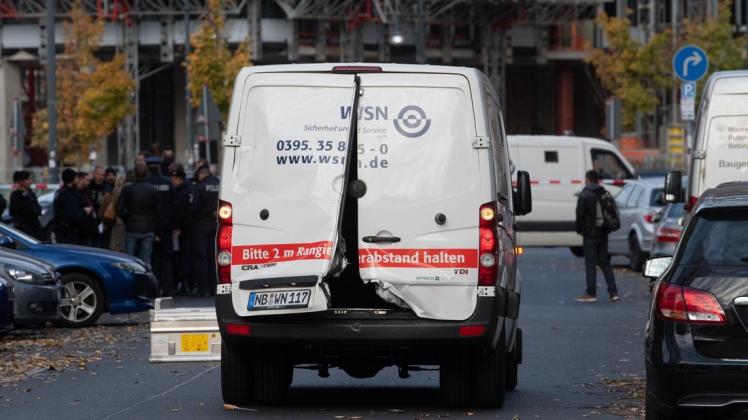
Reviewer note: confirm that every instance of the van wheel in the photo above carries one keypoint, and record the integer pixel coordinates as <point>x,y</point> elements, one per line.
<point>454,377</point>
<point>273,374</point>
<point>489,376</point>
<point>577,251</point>
<point>513,360</point>
<point>636,256</point>
<point>237,382</point>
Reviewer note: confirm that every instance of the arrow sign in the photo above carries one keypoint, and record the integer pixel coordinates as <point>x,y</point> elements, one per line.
<point>690,63</point>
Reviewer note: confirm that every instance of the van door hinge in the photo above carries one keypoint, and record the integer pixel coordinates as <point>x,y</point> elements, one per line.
<point>480,142</point>
<point>234,140</point>
<point>699,154</point>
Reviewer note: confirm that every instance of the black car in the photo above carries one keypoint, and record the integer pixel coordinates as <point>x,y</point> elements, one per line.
<point>36,286</point>
<point>696,344</point>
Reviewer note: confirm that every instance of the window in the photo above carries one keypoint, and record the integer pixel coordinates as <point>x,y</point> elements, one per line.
<point>624,195</point>
<point>551,156</point>
<point>657,198</point>
<point>608,165</point>
<point>633,201</point>
<point>500,152</point>
<point>717,238</point>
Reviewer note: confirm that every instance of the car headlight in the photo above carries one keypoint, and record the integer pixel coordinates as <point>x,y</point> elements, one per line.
<point>132,267</point>
<point>24,275</point>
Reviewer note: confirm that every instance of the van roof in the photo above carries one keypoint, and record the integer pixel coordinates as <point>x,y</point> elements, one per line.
<point>386,67</point>
<point>729,194</point>
<point>728,82</point>
<point>554,139</point>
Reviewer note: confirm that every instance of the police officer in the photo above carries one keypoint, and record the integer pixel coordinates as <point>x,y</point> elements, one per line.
<point>24,207</point>
<point>182,224</point>
<point>163,247</point>
<point>70,212</point>
<point>204,205</point>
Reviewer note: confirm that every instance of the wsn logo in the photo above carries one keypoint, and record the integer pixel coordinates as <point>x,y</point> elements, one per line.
<point>411,122</point>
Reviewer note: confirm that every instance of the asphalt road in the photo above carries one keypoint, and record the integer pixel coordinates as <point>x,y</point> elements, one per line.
<point>578,361</point>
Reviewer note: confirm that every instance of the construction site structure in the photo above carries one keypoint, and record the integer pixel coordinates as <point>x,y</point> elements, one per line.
<point>532,50</point>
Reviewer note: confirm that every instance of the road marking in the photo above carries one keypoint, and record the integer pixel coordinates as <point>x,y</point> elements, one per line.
<point>152,397</point>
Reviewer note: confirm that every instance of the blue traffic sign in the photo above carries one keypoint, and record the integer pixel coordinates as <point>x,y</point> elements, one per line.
<point>688,90</point>
<point>690,63</point>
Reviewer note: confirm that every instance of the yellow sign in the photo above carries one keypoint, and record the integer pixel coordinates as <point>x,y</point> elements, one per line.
<point>192,343</point>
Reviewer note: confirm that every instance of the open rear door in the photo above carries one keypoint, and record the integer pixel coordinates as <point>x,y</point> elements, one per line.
<point>418,220</point>
<point>286,190</point>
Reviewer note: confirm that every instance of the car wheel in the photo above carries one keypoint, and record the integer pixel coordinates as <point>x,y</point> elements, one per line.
<point>577,251</point>
<point>237,381</point>
<point>489,376</point>
<point>655,410</point>
<point>273,374</point>
<point>636,256</point>
<point>513,359</point>
<point>82,301</point>
<point>454,377</point>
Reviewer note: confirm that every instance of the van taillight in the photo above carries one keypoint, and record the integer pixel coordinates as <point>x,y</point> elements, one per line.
<point>684,304</point>
<point>488,246</point>
<point>356,69</point>
<point>223,241</point>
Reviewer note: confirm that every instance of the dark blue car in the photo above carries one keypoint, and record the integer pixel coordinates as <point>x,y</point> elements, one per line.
<point>95,280</point>
<point>6,305</point>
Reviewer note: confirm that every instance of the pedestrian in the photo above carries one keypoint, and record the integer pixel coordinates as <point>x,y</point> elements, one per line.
<point>90,231</point>
<point>163,258</point>
<point>70,212</point>
<point>591,224</point>
<point>204,207</point>
<point>98,187</point>
<point>3,203</point>
<point>137,205</point>
<point>167,159</point>
<point>182,229</point>
<point>110,177</point>
<point>116,240</point>
<point>24,207</point>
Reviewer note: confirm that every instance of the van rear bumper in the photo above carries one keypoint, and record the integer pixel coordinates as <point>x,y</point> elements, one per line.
<point>362,327</point>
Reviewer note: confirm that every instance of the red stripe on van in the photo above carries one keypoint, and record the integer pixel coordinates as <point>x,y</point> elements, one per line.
<point>417,258</point>
<point>555,181</point>
<point>535,182</point>
<point>262,254</point>
<point>576,181</point>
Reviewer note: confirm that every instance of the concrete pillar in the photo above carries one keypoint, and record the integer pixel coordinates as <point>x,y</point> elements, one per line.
<point>181,147</point>
<point>564,98</point>
<point>10,88</point>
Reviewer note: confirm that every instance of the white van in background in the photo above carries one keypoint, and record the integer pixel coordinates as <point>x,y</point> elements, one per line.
<point>720,150</point>
<point>557,165</point>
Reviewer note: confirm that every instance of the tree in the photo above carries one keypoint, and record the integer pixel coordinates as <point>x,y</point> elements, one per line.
<point>93,95</point>
<point>637,72</point>
<point>211,63</point>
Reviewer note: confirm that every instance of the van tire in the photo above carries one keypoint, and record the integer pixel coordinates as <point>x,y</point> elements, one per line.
<point>272,370</point>
<point>454,377</point>
<point>237,382</point>
<point>577,251</point>
<point>489,376</point>
<point>513,360</point>
<point>636,256</point>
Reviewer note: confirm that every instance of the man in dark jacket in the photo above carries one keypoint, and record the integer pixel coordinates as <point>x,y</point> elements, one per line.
<point>204,207</point>
<point>590,226</point>
<point>163,252</point>
<point>137,206</point>
<point>70,211</point>
<point>24,207</point>
<point>182,224</point>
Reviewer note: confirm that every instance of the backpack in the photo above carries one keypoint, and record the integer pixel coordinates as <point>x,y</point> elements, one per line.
<point>607,216</point>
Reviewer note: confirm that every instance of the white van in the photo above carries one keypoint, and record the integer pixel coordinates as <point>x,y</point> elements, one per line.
<point>720,150</point>
<point>360,243</point>
<point>558,165</point>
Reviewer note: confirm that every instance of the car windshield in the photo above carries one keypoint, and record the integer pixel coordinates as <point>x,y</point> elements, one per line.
<point>675,210</point>
<point>6,230</point>
<point>718,238</point>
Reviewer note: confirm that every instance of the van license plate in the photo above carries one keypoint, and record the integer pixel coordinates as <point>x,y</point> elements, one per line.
<point>282,299</point>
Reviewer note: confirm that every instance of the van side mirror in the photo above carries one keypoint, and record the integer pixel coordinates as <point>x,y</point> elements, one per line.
<point>8,242</point>
<point>522,195</point>
<point>656,267</point>
<point>674,187</point>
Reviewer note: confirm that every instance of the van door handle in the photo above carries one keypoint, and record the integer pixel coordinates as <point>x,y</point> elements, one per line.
<point>381,239</point>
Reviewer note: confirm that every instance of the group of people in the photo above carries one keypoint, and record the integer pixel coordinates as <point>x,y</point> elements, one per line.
<point>168,222</point>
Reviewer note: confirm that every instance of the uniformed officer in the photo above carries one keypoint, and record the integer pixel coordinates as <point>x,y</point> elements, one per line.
<point>204,206</point>
<point>182,229</point>
<point>163,247</point>
<point>70,212</point>
<point>24,207</point>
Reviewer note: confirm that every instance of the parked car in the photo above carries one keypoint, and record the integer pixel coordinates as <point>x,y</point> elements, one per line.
<point>696,338</point>
<point>668,230</point>
<point>7,301</point>
<point>96,280</point>
<point>36,287</point>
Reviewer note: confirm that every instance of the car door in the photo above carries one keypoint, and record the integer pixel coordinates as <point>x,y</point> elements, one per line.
<point>285,189</point>
<point>629,216</point>
<point>418,221</point>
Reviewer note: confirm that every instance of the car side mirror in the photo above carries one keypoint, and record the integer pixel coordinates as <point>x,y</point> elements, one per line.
<point>674,187</point>
<point>656,267</point>
<point>8,242</point>
<point>523,194</point>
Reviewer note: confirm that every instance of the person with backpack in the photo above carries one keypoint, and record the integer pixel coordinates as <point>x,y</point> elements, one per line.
<point>597,216</point>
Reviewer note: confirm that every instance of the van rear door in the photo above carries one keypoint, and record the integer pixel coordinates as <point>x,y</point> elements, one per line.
<point>285,189</point>
<point>418,219</point>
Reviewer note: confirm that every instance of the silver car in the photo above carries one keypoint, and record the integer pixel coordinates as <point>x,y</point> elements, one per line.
<point>639,202</point>
<point>668,230</point>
